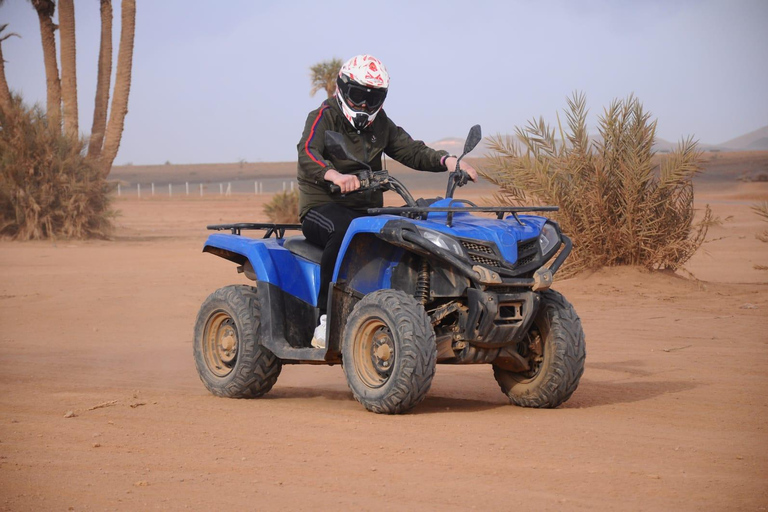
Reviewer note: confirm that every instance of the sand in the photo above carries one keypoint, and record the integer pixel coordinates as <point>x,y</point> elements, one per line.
<point>671,412</point>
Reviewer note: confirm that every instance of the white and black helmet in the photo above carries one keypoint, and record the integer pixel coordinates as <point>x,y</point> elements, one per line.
<point>361,89</point>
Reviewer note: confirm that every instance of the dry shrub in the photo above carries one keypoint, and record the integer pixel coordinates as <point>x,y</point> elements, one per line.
<point>47,189</point>
<point>283,208</point>
<point>762,210</point>
<point>616,203</point>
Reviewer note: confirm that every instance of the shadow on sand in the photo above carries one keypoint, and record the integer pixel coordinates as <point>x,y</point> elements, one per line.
<point>593,393</point>
<point>431,404</point>
<point>634,385</point>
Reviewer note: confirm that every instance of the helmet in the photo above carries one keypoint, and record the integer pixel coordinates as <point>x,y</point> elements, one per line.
<point>361,89</point>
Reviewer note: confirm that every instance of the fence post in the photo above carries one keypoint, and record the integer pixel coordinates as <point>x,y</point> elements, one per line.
<point>118,190</point>
<point>221,189</point>
<point>187,184</point>
<point>256,187</point>
<point>138,189</point>
<point>261,188</point>
<point>170,192</point>
<point>201,190</point>
<point>229,189</point>
<point>153,189</point>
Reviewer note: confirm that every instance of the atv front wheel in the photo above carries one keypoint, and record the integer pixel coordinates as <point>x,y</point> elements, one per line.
<point>389,352</point>
<point>229,358</point>
<point>555,351</point>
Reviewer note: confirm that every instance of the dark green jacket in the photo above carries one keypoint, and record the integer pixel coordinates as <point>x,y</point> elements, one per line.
<point>382,136</point>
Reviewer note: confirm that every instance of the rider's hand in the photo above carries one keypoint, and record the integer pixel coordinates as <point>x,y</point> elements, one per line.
<point>346,182</point>
<point>450,163</point>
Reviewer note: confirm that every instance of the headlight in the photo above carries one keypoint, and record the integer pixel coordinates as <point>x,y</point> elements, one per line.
<point>548,239</point>
<point>443,241</point>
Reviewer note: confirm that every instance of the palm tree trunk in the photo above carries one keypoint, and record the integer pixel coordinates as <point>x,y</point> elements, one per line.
<point>5,92</point>
<point>45,10</point>
<point>68,66</point>
<point>102,82</point>
<point>122,86</point>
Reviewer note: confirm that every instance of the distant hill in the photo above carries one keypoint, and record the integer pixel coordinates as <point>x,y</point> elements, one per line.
<point>752,141</point>
<point>455,146</point>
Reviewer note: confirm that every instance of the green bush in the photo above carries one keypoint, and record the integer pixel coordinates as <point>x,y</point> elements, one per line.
<point>47,188</point>
<point>284,207</point>
<point>619,202</point>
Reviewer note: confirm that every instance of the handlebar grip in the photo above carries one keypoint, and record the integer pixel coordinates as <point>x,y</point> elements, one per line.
<point>335,189</point>
<point>462,178</point>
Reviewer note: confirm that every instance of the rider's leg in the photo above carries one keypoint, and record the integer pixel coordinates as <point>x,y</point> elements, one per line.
<point>326,226</point>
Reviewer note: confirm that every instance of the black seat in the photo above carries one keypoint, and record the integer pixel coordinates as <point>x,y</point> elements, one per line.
<point>299,246</point>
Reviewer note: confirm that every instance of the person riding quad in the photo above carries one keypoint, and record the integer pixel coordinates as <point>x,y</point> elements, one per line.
<point>356,112</point>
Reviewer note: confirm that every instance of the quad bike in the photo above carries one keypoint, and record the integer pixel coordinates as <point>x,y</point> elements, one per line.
<point>434,281</point>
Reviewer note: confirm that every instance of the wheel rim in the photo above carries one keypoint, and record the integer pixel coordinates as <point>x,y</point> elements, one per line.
<point>374,353</point>
<point>220,344</point>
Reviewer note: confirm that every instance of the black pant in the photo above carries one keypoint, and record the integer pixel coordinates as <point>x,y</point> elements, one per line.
<point>326,225</point>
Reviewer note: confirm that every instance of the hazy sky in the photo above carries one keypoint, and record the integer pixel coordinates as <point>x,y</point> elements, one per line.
<point>229,80</point>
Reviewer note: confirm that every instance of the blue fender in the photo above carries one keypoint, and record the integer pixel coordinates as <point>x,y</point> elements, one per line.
<point>271,263</point>
<point>372,270</point>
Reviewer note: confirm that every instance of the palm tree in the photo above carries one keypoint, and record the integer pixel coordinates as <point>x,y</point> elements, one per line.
<point>45,10</point>
<point>122,86</point>
<point>102,82</point>
<point>323,76</point>
<point>68,66</point>
<point>5,92</point>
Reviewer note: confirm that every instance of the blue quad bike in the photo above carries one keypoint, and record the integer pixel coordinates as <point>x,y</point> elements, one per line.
<point>430,282</point>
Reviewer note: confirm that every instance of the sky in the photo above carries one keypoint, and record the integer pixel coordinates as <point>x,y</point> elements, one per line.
<point>229,81</point>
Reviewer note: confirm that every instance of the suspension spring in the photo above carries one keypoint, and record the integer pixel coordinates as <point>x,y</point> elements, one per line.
<point>422,285</point>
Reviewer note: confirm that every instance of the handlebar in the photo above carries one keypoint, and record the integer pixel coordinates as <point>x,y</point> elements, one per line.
<point>369,180</point>
<point>378,180</point>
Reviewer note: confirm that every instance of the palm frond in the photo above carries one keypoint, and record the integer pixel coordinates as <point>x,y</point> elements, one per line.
<point>617,205</point>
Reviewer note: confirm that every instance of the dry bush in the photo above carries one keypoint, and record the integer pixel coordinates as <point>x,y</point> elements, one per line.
<point>47,189</point>
<point>618,206</point>
<point>283,208</point>
<point>762,211</point>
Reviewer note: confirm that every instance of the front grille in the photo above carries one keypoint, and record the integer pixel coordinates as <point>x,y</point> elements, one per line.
<point>482,254</point>
<point>527,252</point>
<point>521,262</point>
<point>472,246</point>
<point>483,261</point>
<point>527,247</point>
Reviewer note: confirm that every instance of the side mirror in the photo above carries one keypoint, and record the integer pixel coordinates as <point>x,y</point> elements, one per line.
<point>459,177</point>
<point>473,139</point>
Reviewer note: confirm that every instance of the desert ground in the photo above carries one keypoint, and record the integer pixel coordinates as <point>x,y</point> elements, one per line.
<point>101,407</point>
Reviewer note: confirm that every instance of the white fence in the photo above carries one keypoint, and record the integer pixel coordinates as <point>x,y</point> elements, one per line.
<point>222,189</point>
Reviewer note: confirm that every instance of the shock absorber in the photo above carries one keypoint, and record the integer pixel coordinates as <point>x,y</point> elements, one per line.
<point>422,284</point>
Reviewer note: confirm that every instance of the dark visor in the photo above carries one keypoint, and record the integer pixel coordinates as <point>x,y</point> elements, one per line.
<point>359,94</point>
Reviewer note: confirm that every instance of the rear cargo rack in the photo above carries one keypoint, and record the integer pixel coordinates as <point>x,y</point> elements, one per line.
<point>271,229</point>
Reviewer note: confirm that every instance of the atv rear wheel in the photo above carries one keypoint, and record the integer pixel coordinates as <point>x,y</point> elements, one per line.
<point>389,352</point>
<point>555,350</point>
<point>229,358</point>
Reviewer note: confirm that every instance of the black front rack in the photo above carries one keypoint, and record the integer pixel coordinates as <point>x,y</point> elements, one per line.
<point>450,210</point>
<point>271,229</point>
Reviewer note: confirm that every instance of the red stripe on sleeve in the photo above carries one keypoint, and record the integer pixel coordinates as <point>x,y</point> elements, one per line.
<point>312,135</point>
